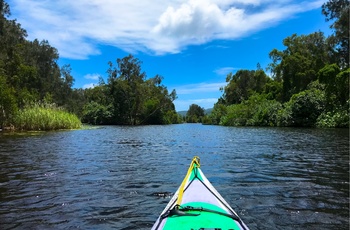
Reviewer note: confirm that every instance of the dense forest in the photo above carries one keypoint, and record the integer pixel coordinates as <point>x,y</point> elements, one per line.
<point>306,84</point>
<point>34,89</point>
<point>309,85</point>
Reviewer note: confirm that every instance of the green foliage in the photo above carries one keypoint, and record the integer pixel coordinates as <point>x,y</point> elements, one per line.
<point>216,114</point>
<point>342,83</point>
<point>125,82</point>
<point>237,115</point>
<point>338,12</point>
<point>239,84</point>
<point>265,112</point>
<point>339,118</point>
<point>273,90</point>
<point>29,70</point>
<point>298,65</point>
<point>171,117</point>
<point>206,120</point>
<point>152,113</point>
<point>284,116</point>
<point>305,107</point>
<point>45,117</point>
<point>96,114</point>
<point>194,114</point>
<point>8,106</point>
<point>243,84</point>
<point>310,77</point>
<point>256,111</point>
<point>336,84</point>
<point>129,98</point>
<point>327,77</point>
<point>75,103</point>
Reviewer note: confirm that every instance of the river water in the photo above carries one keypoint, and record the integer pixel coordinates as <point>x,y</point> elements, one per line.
<point>107,177</point>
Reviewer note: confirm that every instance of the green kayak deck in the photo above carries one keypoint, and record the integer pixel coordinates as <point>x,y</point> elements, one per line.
<point>204,219</point>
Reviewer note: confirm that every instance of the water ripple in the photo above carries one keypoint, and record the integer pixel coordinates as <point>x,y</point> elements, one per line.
<point>122,177</point>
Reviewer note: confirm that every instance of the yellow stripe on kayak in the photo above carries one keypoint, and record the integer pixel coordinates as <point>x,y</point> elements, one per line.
<point>194,163</point>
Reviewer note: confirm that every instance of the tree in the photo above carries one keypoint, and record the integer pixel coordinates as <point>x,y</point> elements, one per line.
<point>336,84</point>
<point>306,106</point>
<point>217,113</point>
<point>136,100</point>
<point>243,84</point>
<point>65,84</point>
<point>238,86</point>
<point>130,71</point>
<point>7,102</point>
<point>338,11</point>
<point>300,62</point>
<point>29,67</point>
<point>125,88</point>
<point>194,114</point>
<point>158,103</point>
<point>95,113</point>
<point>76,102</point>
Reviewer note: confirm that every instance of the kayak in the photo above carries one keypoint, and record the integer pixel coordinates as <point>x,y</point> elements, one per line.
<point>197,205</point>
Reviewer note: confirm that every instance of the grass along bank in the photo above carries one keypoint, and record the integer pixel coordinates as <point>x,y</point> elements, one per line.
<point>45,117</point>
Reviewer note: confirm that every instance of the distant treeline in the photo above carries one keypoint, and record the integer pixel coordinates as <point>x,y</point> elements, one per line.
<point>31,80</point>
<point>309,85</point>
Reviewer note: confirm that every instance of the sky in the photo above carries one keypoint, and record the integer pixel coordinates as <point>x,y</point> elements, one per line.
<point>193,44</point>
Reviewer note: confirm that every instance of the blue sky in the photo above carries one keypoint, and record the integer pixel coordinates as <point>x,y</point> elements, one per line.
<point>193,44</point>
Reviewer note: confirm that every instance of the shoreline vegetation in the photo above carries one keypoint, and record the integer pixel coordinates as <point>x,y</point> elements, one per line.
<point>305,85</point>
<point>44,117</point>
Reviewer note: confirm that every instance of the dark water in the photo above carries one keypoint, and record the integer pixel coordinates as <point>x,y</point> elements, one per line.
<point>275,178</point>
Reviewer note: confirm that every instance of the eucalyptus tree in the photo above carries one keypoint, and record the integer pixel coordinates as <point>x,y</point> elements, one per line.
<point>135,99</point>
<point>243,84</point>
<point>299,63</point>
<point>124,82</point>
<point>338,12</point>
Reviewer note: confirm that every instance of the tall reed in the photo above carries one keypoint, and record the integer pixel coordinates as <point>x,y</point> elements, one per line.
<point>44,117</point>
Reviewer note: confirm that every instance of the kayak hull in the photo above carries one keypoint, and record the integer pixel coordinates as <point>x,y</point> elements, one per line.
<point>198,205</point>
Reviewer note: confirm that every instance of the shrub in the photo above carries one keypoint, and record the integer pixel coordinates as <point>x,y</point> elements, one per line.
<point>305,107</point>
<point>256,111</point>
<point>237,115</point>
<point>338,118</point>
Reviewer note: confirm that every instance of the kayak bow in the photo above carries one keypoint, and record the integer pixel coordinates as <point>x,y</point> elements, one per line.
<point>197,205</point>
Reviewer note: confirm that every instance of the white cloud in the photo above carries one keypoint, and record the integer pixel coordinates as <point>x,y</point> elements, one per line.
<point>77,27</point>
<point>94,76</point>
<point>90,85</point>
<point>224,70</point>
<point>200,21</point>
<point>199,88</point>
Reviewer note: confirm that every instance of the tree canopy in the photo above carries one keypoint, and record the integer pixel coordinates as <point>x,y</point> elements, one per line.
<point>338,12</point>
<point>194,114</point>
<point>308,83</point>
